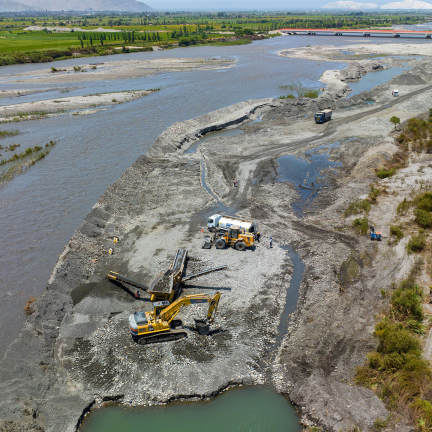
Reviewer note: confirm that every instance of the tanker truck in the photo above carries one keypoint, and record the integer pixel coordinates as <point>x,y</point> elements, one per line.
<point>218,222</point>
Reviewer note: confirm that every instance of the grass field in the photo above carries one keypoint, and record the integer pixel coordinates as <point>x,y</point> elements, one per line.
<point>12,42</point>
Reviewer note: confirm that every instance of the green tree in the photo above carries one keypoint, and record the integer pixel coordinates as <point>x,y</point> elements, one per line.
<point>395,120</point>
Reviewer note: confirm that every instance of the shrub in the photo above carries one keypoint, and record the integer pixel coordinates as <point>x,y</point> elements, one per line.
<point>373,193</point>
<point>415,326</point>
<point>380,424</point>
<point>423,218</point>
<point>394,338</point>
<point>416,243</point>
<point>383,173</point>
<point>396,231</point>
<point>403,207</point>
<point>312,94</point>
<point>395,120</point>
<point>396,371</point>
<point>361,225</point>
<point>407,302</point>
<point>424,201</point>
<point>357,207</point>
<point>5,133</point>
<point>423,408</point>
<point>288,96</point>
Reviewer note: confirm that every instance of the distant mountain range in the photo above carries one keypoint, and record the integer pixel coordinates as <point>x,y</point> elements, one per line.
<point>73,5</point>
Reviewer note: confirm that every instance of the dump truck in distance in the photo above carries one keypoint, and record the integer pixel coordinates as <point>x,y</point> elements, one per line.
<point>218,222</point>
<point>323,116</point>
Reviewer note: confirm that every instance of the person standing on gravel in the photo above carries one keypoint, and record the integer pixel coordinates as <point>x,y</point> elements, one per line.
<point>270,242</point>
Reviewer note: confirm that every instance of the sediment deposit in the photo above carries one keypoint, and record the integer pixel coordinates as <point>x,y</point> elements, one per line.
<point>119,69</point>
<point>75,352</point>
<point>51,106</point>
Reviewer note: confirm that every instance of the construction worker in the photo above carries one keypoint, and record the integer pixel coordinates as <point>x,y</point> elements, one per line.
<point>258,236</point>
<point>271,242</point>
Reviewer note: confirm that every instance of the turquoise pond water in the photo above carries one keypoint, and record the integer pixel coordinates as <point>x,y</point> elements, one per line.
<point>247,409</point>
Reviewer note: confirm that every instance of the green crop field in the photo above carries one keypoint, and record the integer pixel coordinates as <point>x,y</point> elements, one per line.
<point>11,42</point>
<point>168,30</point>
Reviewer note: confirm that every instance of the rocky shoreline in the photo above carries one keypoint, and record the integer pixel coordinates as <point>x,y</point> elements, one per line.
<point>74,352</point>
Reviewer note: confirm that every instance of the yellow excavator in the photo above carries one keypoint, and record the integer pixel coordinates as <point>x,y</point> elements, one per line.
<point>160,325</point>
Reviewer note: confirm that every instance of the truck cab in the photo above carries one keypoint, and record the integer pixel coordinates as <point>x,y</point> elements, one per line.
<point>323,116</point>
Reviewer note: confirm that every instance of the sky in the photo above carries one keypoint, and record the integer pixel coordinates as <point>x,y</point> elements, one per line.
<point>356,5</point>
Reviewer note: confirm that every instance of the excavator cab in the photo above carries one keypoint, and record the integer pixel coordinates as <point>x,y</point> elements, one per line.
<point>236,238</point>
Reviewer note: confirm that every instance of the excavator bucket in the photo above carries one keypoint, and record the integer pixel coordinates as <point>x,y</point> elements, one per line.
<point>202,326</point>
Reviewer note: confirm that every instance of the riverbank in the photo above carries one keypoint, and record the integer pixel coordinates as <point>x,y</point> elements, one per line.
<point>75,352</point>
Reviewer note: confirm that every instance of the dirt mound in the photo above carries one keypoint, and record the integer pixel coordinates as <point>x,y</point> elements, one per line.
<point>408,79</point>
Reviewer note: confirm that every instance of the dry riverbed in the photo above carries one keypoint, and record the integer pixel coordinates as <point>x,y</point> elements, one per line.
<point>74,352</point>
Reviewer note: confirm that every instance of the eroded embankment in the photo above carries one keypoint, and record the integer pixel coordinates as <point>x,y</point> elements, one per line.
<point>75,349</point>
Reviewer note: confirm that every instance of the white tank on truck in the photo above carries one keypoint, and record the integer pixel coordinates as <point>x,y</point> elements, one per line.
<point>218,221</point>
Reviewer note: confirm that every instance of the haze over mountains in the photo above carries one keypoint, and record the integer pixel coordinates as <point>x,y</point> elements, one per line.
<point>75,5</point>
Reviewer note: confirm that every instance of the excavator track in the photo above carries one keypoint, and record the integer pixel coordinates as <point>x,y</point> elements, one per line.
<point>172,335</point>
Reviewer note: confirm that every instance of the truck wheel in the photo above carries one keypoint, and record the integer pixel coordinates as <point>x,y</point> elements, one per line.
<point>220,244</point>
<point>240,246</point>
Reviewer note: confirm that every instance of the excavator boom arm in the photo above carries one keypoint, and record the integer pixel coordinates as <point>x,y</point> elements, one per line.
<point>173,309</point>
<point>214,302</point>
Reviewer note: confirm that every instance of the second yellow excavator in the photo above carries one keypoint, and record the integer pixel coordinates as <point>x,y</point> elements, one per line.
<point>159,325</point>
